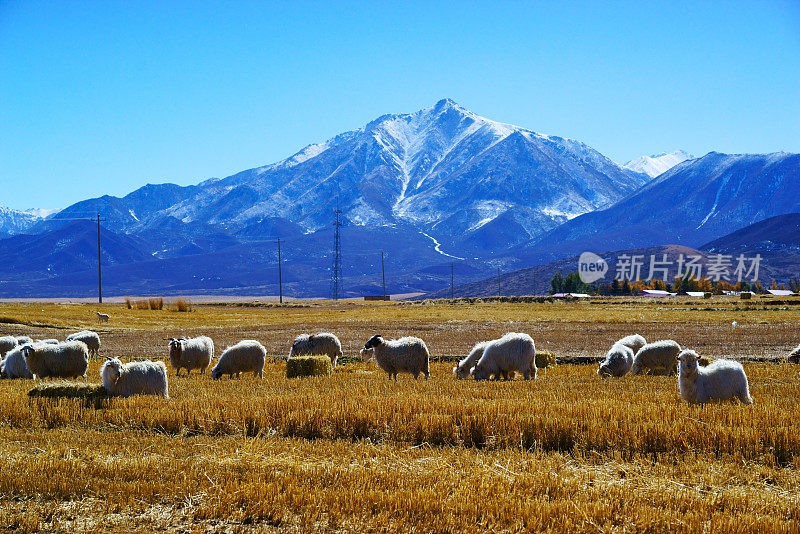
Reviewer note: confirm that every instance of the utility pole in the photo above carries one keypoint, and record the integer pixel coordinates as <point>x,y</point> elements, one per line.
<point>87,217</point>
<point>280,275</point>
<point>383,275</point>
<point>99,270</point>
<point>451,281</point>
<point>336,272</point>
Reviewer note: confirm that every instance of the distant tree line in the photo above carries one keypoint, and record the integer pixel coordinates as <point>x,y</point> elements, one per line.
<point>572,283</point>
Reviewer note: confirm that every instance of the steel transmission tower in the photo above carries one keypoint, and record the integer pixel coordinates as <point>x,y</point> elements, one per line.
<point>336,271</point>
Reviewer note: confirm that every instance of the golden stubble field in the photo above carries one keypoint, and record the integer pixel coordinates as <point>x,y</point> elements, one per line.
<point>356,452</point>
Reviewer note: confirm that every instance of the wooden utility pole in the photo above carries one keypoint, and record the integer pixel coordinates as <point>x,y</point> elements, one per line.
<point>383,275</point>
<point>451,281</point>
<point>99,270</point>
<point>280,274</point>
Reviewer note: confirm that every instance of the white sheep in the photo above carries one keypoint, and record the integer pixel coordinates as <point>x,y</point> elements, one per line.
<point>23,340</point>
<point>49,341</point>
<point>65,360</point>
<point>92,340</point>
<point>247,355</point>
<point>721,380</point>
<point>134,378</point>
<point>404,355</point>
<point>6,344</point>
<point>14,365</point>
<point>634,341</point>
<point>656,356</point>
<point>322,343</point>
<point>194,353</point>
<point>794,356</point>
<point>514,352</point>
<point>102,317</point>
<point>618,361</point>
<point>462,369</point>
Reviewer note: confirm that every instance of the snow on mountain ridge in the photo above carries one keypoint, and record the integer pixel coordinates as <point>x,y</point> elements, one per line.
<point>657,164</point>
<point>18,221</point>
<point>436,170</point>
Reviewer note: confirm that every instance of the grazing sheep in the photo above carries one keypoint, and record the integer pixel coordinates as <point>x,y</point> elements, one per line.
<point>65,360</point>
<point>102,317</point>
<point>48,341</point>
<point>618,361</point>
<point>6,344</point>
<point>23,340</point>
<point>323,343</point>
<point>89,337</point>
<point>134,378</point>
<point>503,357</point>
<point>634,341</point>
<point>404,355</point>
<point>246,355</point>
<point>194,353</point>
<point>794,356</point>
<point>658,355</point>
<point>721,380</point>
<point>14,366</point>
<point>462,369</point>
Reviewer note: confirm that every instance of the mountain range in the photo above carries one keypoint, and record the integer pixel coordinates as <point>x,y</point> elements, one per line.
<point>438,189</point>
<point>693,203</point>
<point>465,180</point>
<point>776,240</point>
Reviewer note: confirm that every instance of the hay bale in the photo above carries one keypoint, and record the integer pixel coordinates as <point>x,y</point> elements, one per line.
<point>91,394</point>
<point>545,359</point>
<point>316,365</point>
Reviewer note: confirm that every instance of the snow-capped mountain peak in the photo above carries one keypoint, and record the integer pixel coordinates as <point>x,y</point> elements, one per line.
<point>442,170</point>
<point>658,163</point>
<point>18,221</point>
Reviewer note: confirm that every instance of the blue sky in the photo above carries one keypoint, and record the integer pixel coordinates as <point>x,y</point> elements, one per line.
<point>103,97</point>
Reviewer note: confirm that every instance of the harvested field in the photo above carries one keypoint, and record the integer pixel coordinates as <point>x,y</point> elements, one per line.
<point>356,452</point>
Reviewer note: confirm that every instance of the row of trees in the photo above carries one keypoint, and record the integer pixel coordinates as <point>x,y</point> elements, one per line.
<point>572,283</point>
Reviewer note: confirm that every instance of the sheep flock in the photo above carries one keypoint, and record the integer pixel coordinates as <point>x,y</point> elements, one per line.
<point>699,380</point>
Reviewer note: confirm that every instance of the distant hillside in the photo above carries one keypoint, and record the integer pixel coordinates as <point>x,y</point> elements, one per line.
<point>775,235</point>
<point>693,203</point>
<point>521,282</point>
<point>780,266</point>
<point>65,250</point>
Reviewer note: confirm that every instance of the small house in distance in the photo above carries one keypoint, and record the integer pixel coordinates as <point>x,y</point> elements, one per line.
<point>655,293</point>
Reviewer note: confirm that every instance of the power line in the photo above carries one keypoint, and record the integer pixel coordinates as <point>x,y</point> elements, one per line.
<point>336,271</point>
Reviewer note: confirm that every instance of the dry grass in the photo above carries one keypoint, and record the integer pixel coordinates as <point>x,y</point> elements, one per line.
<point>182,305</point>
<point>355,451</point>
<point>152,303</point>
<point>148,482</point>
